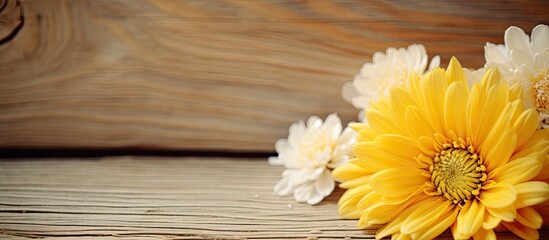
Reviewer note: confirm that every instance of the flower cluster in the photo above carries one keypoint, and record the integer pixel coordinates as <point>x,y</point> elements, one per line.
<point>438,149</point>
<point>308,154</point>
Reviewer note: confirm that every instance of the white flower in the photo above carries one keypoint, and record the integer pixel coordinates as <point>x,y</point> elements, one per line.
<point>525,61</point>
<point>473,76</point>
<point>387,70</point>
<point>309,154</point>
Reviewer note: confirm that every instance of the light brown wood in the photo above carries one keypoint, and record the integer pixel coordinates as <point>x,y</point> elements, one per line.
<point>212,75</point>
<point>161,198</point>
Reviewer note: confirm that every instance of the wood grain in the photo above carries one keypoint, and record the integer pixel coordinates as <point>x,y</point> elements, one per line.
<point>213,75</point>
<point>161,198</point>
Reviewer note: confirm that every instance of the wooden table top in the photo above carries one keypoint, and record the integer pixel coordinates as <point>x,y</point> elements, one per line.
<point>161,198</point>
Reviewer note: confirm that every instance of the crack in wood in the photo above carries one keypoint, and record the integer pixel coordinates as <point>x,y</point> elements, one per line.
<point>11,35</point>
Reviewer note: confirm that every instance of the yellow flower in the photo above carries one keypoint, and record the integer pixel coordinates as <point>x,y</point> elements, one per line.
<point>436,155</point>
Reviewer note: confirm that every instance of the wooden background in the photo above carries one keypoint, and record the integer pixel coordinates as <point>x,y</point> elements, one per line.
<point>211,75</point>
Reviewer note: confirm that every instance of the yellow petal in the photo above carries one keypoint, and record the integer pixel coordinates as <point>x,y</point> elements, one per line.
<point>515,92</point>
<point>417,123</point>
<point>427,146</point>
<point>385,213</point>
<point>490,221</point>
<point>433,88</point>
<point>381,121</point>
<point>521,230</point>
<point>454,72</point>
<point>349,171</point>
<point>455,108</point>
<point>543,210</point>
<point>347,203</point>
<point>413,83</point>
<point>355,182</point>
<point>498,148</point>
<point>394,226</point>
<point>536,145</point>
<point>500,195</point>
<point>469,219</point>
<point>424,216</point>
<point>356,126</point>
<point>399,99</point>
<point>517,171</point>
<point>439,226</point>
<point>473,114</point>
<point>369,201</point>
<point>483,234</point>
<point>401,236</point>
<point>543,175</point>
<point>399,146</point>
<point>525,126</point>
<point>395,182</point>
<point>529,217</point>
<point>491,77</point>
<point>354,194</point>
<point>494,103</point>
<point>376,159</point>
<point>531,193</point>
<point>506,213</point>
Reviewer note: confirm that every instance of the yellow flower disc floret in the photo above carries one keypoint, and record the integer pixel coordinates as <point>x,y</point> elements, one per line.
<point>457,174</point>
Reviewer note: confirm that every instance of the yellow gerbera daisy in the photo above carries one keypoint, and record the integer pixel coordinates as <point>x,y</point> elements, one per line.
<point>436,155</point>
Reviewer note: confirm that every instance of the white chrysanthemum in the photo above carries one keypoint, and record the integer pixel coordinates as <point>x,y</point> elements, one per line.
<point>309,154</point>
<point>525,60</point>
<point>473,76</point>
<point>387,70</point>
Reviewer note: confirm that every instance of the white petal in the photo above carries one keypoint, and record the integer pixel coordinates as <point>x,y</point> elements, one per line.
<point>469,76</point>
<point>314,122</point>
<point>362,116</point>
<point>338,161</point>
<point>526,72</point>
<point>378,57</point>
<point>546,59</point>
<point>540,38</point>
<point>347,137</point>
<point>495,53</point>
<point>297,130</point>
<point>302,192</point>
<point>506,69</point>
<point>362,102</point>
<point>314,198</point>
<point>516,39</point>
<point>275,161</point>
<point>435,62</point>
<point>314,174</point>
<point>332,126</point>
<point>325,183</point>
<point>282,146</point>
<point>348,92</point>
<point>296,177</point>
<point>521,59</point>
<point>283,187</point>
<point>323,157</point>
<point>539,62</point>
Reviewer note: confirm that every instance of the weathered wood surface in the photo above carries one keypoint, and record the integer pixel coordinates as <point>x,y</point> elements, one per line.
<point>212,75</point>
<point>160,198</point>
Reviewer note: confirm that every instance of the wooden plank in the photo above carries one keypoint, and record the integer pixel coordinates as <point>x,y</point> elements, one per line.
<point>129,197</point>
<point>161,198</point>
<point>212,75</point>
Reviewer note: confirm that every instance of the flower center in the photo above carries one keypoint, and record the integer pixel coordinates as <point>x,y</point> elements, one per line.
<point>540,92</point>
<point>316,150</point>
<point>457,174</point>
